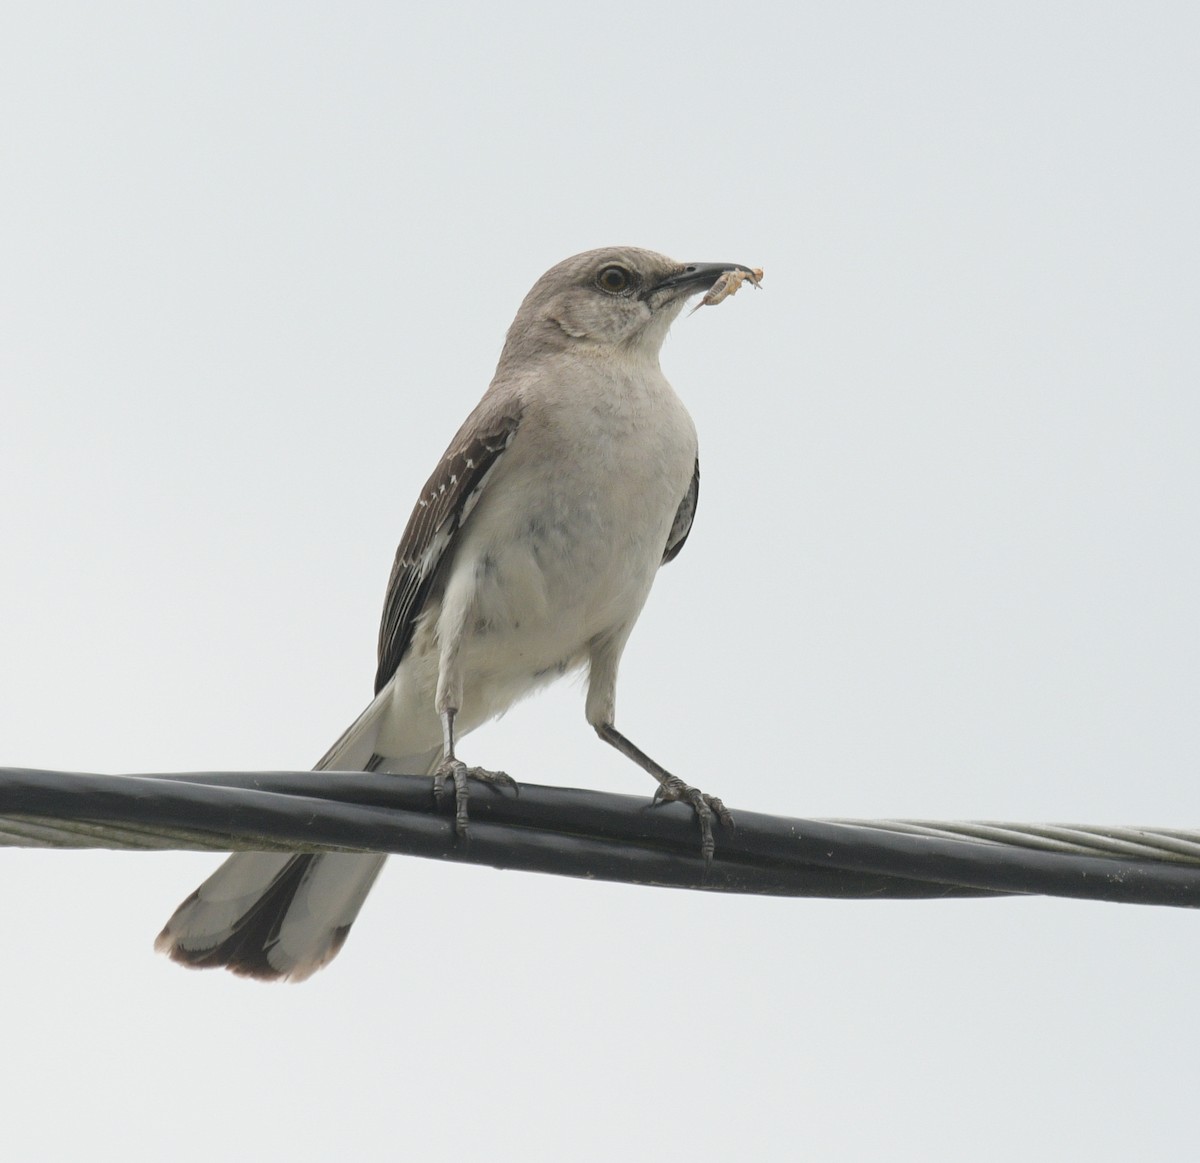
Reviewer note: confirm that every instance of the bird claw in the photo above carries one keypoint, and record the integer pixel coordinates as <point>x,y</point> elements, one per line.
<point>673,789</point>
<point>458,773</point>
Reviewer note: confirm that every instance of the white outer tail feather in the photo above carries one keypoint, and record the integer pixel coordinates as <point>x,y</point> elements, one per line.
<point>277,916</point>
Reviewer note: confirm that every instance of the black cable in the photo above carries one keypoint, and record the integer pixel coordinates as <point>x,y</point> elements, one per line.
<point>564,831</point>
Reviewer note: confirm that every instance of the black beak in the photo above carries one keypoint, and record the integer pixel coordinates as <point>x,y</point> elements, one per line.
<point>697,277</point>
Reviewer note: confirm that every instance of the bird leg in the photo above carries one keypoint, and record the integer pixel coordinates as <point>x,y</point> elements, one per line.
<point>458,772</point>
<point>671,787</point>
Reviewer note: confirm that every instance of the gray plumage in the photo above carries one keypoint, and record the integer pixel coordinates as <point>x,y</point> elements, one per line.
<point>529,554</point>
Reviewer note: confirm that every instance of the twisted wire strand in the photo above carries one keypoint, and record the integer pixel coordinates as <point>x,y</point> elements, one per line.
<point>1088,839</point>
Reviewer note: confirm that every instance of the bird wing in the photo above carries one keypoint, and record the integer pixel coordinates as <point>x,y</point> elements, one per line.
<point>684,515</point>
<point>444,504</point>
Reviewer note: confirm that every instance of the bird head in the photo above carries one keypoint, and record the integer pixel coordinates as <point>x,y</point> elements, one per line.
<point>616,298</point>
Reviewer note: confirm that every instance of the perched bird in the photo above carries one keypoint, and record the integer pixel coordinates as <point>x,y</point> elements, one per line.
<point>529,554</point>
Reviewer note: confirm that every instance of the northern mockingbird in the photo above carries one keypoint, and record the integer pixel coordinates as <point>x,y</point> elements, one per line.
<point>529,554</point>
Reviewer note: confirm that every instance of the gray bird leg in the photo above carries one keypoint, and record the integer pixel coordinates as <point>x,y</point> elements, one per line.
<point>671,787</point>
<point>458,772</point>
<point>604,659</point>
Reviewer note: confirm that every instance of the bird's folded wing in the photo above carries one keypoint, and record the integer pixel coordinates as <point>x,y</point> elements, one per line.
<point>444,504</point>
<point>684,515</point>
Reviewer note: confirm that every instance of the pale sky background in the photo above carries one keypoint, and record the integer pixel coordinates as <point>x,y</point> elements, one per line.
<point>256,264</point>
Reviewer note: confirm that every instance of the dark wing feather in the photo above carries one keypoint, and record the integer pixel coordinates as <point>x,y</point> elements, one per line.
<point>684,516</point>
<point>445,502</point>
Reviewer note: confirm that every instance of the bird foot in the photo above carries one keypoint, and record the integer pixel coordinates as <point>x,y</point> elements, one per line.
<point>458,773</point>
<point>705,806</point>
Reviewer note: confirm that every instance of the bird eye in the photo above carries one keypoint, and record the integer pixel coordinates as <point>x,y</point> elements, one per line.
<point>614,280</point>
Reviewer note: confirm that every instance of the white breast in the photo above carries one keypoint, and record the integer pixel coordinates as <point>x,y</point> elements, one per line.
<point>563,544</point>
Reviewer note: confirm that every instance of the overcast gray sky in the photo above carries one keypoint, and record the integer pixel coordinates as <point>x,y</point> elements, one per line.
<point>256,263</point>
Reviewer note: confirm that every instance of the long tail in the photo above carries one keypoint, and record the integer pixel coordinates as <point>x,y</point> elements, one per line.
<point>273,916</point>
